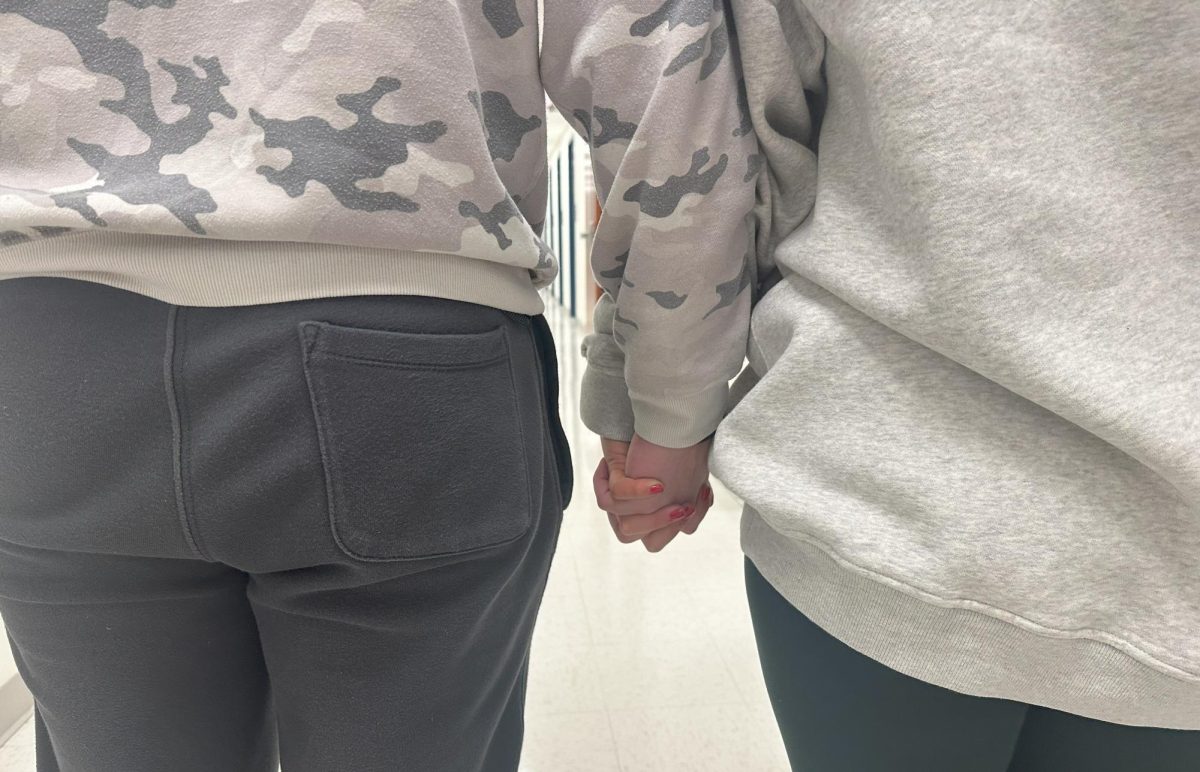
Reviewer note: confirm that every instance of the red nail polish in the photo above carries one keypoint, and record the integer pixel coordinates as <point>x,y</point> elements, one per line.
<point>679,514</point>
<point>657,488</point>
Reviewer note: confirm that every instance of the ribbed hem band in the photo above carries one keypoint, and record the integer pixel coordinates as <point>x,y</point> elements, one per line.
<point>218,272</point>
<point>966,649</point>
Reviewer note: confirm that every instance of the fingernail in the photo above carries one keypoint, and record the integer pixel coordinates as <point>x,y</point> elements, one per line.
<point>679,514</point>
<point>657,488</point>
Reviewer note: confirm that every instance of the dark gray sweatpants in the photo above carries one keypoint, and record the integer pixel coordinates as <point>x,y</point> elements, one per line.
<point>322,527</point>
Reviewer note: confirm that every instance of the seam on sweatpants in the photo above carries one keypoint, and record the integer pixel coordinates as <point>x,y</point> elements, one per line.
<point>512,379</point>
<point>175,406</point>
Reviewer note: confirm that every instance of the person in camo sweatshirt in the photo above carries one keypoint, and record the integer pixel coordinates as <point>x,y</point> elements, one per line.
<point>281,469</point>
<point>968,440</point>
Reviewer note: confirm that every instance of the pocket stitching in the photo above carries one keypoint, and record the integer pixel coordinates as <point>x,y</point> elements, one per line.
<point>512,382</point>
<point>370,362</point>
<point>307,343</point>
<point>322,330</point>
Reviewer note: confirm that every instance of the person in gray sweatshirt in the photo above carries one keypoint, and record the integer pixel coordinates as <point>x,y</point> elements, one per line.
<point>968,439</point>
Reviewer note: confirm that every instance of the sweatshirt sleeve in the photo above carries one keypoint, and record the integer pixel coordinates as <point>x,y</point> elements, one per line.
<point>653,86</point>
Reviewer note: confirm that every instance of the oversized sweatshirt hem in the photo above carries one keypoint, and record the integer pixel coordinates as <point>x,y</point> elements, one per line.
<point>967,650</point>
<point>218,272</point>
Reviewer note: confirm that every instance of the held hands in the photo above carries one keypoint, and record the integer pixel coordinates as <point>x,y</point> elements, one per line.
<point>652,493</point>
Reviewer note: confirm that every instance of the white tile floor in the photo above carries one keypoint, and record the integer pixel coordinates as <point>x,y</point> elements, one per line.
<point>640,662</point>
<point>17,754</point>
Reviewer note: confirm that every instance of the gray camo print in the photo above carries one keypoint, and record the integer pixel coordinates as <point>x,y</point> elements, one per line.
<point>340,158</point>
<point>506,129</point>
<point>612,128</point>
<point>135,178</point>
<point>730,290</point>
<point>619,270</point>
<point>503,16</point>
<point>754,165</point>
<point>693,13</point>
<point>663,200</point>
<point>712,47</point>
<point>358,149</point>
<point>492,219</point>
<point>8,238</point>
<point>668,299</point>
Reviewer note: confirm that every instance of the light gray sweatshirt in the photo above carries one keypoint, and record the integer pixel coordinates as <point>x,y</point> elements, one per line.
<point>969,440</point>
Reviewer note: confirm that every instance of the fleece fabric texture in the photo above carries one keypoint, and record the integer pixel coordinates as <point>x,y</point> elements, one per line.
<point>969,439</point>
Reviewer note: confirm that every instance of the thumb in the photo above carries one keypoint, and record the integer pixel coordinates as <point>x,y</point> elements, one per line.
<point>624,488</point>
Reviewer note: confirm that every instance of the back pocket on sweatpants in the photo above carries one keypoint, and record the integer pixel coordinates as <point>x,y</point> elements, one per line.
<point>421,438</point>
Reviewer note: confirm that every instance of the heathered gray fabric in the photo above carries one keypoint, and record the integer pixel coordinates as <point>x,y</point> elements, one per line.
<point>969,440</point>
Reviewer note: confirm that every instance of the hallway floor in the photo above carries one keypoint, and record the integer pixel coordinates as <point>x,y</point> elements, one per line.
<point>641,663</point>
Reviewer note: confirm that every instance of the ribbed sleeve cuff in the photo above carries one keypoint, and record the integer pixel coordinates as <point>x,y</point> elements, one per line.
<point>680,420</point>
<point>604,404</point>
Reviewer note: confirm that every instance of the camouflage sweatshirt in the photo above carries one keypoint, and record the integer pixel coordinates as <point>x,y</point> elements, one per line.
<point>232,153</point>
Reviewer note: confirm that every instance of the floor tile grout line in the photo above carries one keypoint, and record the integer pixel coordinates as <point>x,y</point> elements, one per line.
<point>587,619</point>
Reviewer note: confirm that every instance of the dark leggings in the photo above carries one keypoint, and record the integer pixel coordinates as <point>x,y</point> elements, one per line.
<point>839,710</point>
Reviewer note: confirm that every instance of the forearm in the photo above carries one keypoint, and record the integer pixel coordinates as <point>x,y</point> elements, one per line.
<point>656,94</point>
